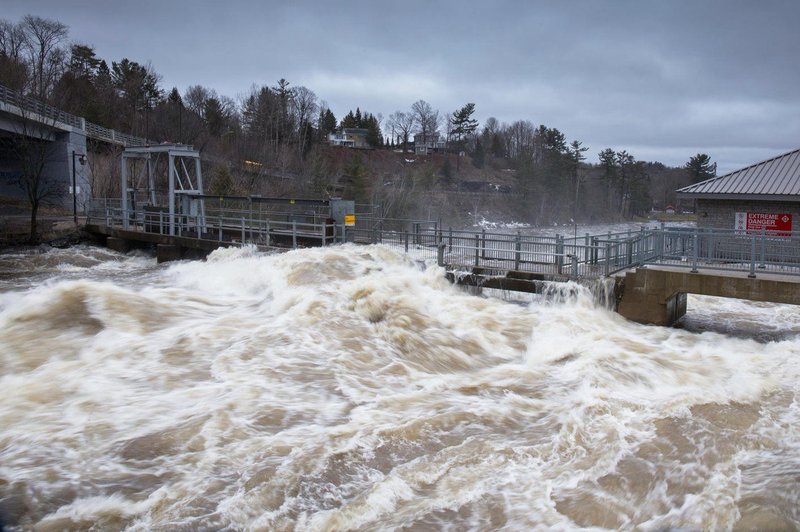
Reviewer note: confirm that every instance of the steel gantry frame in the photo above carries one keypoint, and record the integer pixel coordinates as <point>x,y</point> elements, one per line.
<point>182,184</point>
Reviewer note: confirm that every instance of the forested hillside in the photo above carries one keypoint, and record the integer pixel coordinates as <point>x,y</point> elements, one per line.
<point>272,140</point>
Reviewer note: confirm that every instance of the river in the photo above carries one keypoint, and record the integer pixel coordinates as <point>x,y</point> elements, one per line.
<point>353,388</point>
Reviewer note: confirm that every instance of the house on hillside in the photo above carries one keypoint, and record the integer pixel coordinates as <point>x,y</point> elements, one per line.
<point>349,137</point>
<point>765,195</point>
<point>423,145</point>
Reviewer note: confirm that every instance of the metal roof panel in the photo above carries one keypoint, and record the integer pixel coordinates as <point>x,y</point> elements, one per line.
<point>777,176</point>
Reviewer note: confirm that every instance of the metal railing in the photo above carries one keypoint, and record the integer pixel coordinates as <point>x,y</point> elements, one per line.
<point>575,256</point>
<point>598,255</point>
<point>39,109</point>
<point>232,227</point>
<point>47,113</point>
<point>729,250</point>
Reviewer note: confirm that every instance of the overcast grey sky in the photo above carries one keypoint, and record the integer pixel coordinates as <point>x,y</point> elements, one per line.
<point>664,80</point>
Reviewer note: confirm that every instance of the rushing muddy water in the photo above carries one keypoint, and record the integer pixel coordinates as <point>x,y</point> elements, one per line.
<point>352,388</point>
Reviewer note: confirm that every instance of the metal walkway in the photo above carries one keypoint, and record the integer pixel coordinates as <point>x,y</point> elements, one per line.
<point>568,257</point>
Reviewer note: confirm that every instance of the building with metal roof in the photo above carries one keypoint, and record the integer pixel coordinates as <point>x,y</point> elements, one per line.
<point>764,195</point>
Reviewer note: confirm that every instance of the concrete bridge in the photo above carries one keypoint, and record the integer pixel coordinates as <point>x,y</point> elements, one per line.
<point>65,154</point>
<point>656,293</point>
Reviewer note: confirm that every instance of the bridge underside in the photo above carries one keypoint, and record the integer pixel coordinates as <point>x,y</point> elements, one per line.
<point>657,295</point>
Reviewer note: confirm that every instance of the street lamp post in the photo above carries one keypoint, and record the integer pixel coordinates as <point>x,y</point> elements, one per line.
<point>81,159</point>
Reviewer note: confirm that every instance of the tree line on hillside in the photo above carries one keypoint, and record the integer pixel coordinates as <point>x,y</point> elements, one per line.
<point>272,139</point>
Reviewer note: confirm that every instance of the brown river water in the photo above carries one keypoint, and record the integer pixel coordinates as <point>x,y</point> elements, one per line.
<point>354,388</point>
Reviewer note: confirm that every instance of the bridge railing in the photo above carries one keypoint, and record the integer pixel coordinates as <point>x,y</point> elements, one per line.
<point>497,251</point>
<point>35,107</point>
<point>587,256</point>
<point>49,113</point>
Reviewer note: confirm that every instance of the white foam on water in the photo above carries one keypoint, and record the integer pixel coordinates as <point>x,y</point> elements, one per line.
<point>347,387</point>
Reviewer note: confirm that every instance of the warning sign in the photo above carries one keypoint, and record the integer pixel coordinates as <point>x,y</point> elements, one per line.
<point>756,222</point>
<point>350,220</point>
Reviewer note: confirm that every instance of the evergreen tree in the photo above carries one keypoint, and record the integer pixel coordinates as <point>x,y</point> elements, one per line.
<point>700,168</point>
<point>349,121</point>
<point>174,97</point>
<point>83,62</point>
<point>576,157</point>
<point>374,137</point>
<point>462,122</point>
<point>608,163</point>
<point>327,122</point>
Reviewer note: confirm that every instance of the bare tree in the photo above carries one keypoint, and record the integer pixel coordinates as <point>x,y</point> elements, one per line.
<point>426,119</point>
<point>195,98</point>
<point>304,107</point>
<point>491,126</point>
<point>43,38</point>
<point>401,124</point>
<point>34,149</point>
<point>105,170</point>
<point>13,68</point>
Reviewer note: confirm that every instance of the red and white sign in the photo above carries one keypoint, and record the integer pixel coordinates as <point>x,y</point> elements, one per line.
<point>756,222</point>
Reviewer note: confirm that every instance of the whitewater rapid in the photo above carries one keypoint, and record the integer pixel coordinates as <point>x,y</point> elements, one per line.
<point>354,388</point>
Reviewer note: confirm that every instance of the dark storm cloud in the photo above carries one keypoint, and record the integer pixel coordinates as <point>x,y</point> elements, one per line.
<point>664,80</point>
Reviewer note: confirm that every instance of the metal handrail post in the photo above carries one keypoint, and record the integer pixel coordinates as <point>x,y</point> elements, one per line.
<point>586,249</point>
<point>294,234</point>
<point>250,209</point>
<point>608,258</point>
<point>440,254</point>
<point>517,250</point>
<point>752,273</point>
<point>695,252</point>
<point>763,248</point>
<point>483,244</point>
<point>559,253</point>
<point>243,233</point>
<point>477,249</point>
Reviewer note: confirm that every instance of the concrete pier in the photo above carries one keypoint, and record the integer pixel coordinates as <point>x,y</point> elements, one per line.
<point>657,294</point>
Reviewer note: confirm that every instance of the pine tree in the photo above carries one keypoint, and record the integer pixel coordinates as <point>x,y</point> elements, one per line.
<point>374,137</point>
<point>463,123</point>
<point>700,168</point>
<point>175,97</point>
<point>349,121</point>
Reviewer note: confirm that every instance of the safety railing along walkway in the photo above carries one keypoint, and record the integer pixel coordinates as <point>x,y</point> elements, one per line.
<point>601,255</point>
<point>570,256</point>
<point>229,226</point>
